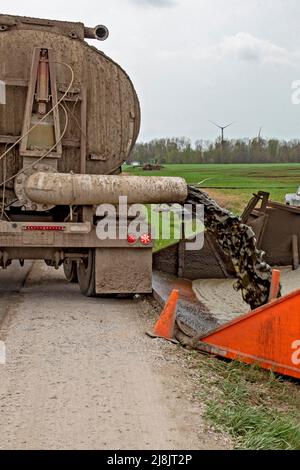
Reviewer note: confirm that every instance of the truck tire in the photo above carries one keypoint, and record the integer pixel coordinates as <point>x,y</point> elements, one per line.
<point>86,275</point>
<point>70,270</point>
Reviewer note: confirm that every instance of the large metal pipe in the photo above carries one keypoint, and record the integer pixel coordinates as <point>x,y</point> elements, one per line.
<point>100,32</point>
<point>61,189</point>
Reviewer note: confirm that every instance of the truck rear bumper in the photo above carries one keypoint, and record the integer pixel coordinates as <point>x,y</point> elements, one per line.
<point>120,267</point>
<point>57,235</point>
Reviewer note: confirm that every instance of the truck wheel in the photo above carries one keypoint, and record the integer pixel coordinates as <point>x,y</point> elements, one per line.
<point>70,270</point>
<point>86,275</point>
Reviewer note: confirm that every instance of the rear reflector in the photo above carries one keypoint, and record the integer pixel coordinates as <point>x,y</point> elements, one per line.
<point>131,239</point>
<point>146,239</point>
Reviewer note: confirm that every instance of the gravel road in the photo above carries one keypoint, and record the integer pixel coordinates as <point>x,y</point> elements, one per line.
<point>81,374</point>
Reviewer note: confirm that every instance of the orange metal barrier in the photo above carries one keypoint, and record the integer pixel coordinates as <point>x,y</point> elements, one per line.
<point>268,336</point>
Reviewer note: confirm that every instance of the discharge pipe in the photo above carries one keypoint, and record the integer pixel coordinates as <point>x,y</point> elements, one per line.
<point>62,189</point>
<point>100,32</point>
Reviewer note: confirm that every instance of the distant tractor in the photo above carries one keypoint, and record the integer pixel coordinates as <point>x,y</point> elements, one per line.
<point>152,167</point>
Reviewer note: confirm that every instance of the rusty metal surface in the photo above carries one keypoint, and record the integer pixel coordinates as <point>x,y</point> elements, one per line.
<point>62,189</point>
<point>275,226</point>
<point>208,263</point>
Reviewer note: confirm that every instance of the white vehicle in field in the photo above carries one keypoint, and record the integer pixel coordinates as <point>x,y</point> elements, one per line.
<point>293,199</point>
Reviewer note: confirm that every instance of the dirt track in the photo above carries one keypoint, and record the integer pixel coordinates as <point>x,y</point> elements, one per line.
<point>81,373</point>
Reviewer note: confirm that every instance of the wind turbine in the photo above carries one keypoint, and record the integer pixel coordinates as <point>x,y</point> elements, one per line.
<point>259,134</point>
<point>222,129</point>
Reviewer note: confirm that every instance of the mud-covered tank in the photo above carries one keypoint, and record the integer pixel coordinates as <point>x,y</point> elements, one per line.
<point>102,105</point>
<point>69,119</point>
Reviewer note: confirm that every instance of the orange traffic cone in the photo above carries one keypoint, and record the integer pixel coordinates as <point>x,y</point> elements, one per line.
<point>165,325</point>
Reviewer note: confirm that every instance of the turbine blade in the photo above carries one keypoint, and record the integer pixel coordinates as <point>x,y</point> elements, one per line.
<point>228,125</point>
<point>217,125</point>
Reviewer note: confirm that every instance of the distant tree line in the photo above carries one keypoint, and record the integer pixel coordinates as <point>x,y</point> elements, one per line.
<point>181,150</point>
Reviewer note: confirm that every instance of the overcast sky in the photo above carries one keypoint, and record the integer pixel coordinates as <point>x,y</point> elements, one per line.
<point>198,60</point>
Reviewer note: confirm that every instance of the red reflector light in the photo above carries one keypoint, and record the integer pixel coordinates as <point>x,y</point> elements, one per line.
<point>146,239</point>
<point>45,228</point>
<point>131,239</point>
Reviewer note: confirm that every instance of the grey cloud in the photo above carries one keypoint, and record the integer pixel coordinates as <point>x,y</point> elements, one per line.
<point>155,3</point>
<point>246,47</point>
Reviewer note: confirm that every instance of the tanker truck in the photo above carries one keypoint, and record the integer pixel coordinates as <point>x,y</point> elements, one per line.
<point>69,120</point>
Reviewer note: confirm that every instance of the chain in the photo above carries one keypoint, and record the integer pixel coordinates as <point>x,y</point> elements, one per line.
<point>237,241</point>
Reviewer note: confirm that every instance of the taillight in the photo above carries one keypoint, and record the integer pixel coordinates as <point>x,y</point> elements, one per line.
<point>131,239</point>
<point>146,239</point>
<point>45,228</point>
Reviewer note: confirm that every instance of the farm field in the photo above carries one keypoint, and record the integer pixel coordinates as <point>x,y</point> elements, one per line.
<point>233,185</point>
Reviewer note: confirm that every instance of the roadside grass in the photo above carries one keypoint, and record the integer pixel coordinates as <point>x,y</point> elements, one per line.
<point>172,222</point>
<point>261,411</point>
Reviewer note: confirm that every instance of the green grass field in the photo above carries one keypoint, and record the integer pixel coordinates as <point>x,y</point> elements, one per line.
<point>233,185</point>
<point>261,411</point>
